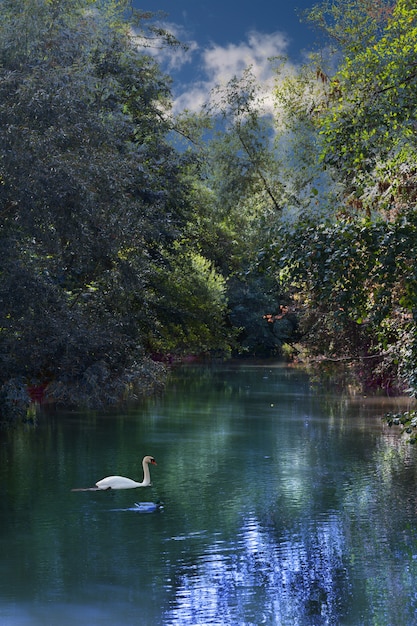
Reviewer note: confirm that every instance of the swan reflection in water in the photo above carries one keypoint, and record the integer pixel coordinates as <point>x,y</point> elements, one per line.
<point>144,507</point>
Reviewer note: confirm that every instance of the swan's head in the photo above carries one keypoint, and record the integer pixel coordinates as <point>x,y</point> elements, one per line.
<point>149,459</point>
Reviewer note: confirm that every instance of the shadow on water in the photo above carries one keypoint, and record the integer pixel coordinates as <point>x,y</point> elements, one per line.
<point>282,505</point>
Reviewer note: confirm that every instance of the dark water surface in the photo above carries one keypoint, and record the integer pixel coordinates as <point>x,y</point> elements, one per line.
<point>283,505</point>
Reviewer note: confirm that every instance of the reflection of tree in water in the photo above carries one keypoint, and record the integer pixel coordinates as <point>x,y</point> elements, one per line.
<point>300,580</point>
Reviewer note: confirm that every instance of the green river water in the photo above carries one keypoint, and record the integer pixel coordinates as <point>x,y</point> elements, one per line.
<point>284,504</point>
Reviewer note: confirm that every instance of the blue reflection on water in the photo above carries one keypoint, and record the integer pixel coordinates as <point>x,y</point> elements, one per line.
<point>261,580</point>
<point>143,507</point>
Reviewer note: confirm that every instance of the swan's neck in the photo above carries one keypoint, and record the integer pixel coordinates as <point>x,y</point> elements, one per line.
<point>146,474</point>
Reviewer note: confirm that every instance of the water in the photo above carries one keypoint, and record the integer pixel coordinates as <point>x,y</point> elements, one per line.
<point>283,505</point>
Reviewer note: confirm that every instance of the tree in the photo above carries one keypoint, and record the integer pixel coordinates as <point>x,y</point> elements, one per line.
<point>368,125</point>
<point>243,171</point>
<point>189,306</point>
<point>91,192</point>
<point>351,268</point>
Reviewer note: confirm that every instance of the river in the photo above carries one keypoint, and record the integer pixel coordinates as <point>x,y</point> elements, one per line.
<point>283,504</point>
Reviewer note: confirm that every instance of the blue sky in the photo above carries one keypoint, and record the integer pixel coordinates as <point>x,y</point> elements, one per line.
<point>224,36</point>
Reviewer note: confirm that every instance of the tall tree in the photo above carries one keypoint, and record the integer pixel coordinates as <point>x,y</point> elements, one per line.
<point>354,268</point>
<point>91,191</point>
<point>243,170</point>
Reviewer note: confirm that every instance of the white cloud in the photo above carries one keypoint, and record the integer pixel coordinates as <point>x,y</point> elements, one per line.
<point>223,63</point>
<point>219,64</point>
<point>216,64</point>
<point>192,97</point>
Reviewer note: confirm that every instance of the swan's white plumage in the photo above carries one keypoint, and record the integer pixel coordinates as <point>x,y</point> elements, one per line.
<point>121,482</point>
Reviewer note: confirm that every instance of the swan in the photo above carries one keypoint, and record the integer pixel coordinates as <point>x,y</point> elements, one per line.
<point>120,482</point>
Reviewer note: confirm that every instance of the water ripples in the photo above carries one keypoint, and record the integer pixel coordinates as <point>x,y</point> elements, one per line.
<point>258,578</point>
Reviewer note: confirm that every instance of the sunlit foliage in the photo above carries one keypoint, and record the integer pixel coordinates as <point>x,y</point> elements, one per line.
<point>349,260</point>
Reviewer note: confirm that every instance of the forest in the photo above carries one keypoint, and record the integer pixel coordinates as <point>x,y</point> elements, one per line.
<point>132,236</point>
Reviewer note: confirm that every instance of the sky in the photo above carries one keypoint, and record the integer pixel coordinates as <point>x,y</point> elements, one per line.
<point>224,37</point>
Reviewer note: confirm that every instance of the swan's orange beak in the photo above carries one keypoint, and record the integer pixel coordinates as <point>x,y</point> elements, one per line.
<point>154,462</point>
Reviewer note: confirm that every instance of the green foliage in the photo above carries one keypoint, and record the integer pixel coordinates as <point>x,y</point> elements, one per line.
<point>310,189</point>
<point>90,192</point>
<point>351,25</point>
<point>347,254</point>
<point>125,232</point>
<point>244,160</point>
<point>407,420</point>
<point>231,167</point>
<point>189,306</point>
<point>371,110</point>
<point>252,296</point>
<point>359,280</point>
<point>241,172</point>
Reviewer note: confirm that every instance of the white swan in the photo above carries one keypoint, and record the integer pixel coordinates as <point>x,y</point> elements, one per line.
<point>120,482</point>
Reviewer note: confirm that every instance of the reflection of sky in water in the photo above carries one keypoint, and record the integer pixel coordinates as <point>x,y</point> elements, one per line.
<point>282,507</point>
<point>259,580</point>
